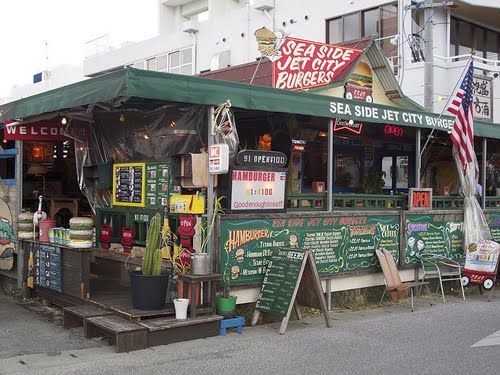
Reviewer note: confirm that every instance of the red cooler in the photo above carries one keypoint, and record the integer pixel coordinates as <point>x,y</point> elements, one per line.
<point>44,227</point>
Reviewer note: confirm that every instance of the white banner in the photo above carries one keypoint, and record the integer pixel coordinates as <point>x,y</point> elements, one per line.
<point>257,190</point>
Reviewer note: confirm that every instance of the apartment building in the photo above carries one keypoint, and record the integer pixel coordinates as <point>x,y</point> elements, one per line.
<point>200,35</point>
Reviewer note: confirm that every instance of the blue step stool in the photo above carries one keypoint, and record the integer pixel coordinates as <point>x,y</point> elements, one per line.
<point>237,322</point>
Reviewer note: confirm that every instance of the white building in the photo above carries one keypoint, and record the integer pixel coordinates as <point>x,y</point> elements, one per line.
<point>200,35</point>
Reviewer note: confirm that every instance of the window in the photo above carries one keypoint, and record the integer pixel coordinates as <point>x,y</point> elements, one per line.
<point>381,22</point>
<point>151,64</point>
<point>181,62</point>
<point>8,154</point>
<point>162,62</point>
<point>466,36</point>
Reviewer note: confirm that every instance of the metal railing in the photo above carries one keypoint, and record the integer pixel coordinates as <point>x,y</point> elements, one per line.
<point>354,202</point>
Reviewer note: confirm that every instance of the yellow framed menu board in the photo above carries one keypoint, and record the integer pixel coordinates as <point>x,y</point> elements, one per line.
<point>129,184</point>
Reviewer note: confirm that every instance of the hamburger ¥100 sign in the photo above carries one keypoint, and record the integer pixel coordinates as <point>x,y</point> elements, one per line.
<point>304,64</point>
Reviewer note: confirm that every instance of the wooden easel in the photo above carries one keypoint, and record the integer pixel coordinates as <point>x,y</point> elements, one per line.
<point>308,292</point>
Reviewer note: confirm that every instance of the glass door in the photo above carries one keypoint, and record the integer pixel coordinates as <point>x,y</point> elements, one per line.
<point>397,172</point>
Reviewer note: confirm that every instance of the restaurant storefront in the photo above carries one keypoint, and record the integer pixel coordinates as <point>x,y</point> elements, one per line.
<point>307,171</point>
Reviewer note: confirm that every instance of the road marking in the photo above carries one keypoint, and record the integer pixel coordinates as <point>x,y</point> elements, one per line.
<point>493,339</point>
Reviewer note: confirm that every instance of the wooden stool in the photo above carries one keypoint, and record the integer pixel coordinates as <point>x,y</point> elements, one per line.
<point>209,285</point>
<point>237,322</point>
<point>125,335</point>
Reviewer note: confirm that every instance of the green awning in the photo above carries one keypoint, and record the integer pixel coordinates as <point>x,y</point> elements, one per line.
<point>145,84</point>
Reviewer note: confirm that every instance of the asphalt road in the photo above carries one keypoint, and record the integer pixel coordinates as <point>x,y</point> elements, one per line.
<point>388,340</point>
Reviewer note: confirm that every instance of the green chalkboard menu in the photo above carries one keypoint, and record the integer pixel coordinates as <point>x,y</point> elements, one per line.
<point>493,220</point>
<point>157,184</point>
<point>48,266</point>
<point>433,233</point>
<point>279,281</point>
<point>339,243</point>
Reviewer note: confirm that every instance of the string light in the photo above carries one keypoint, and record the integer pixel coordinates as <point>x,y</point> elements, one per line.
<point>4,141</point>
<point>146,137</point>
<point>64,121</point>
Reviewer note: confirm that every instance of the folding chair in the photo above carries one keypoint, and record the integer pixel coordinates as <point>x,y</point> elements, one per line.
<point>393,284</point>
<point>436,266</point>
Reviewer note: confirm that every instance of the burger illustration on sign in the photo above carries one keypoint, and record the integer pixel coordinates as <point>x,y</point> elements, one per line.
<point>359,84</point>
<point>266,41</point>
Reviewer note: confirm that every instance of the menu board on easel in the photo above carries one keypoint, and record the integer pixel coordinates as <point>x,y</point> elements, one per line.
<point>129,184</point>
<point>291,280</point>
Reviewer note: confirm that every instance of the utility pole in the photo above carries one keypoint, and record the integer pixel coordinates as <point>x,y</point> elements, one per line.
<point>429,8</point>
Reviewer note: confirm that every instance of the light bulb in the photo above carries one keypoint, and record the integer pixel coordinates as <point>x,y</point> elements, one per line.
<point>122,117</point>
<point>351,122</point>
<point>64,121</point>
<point>4,141</point>
<point>146,137</point>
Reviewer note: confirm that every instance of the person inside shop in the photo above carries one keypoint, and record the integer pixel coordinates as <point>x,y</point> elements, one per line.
<point>491,191</point>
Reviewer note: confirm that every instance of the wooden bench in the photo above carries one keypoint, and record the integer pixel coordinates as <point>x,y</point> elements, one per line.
<point>73,316</point>
<point>125,335</point>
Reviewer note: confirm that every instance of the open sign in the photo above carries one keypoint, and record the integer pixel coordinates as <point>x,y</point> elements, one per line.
<point>420,199</point>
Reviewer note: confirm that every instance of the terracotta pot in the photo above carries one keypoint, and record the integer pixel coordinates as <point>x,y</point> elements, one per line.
<point>180,290</point>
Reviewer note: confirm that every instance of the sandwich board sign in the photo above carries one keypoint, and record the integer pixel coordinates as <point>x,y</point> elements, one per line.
<point>291,280</point>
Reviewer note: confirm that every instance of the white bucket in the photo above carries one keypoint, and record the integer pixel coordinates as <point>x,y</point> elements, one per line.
<point>181,306</point>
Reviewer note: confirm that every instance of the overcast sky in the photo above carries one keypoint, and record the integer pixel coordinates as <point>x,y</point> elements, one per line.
<point>66,25</point>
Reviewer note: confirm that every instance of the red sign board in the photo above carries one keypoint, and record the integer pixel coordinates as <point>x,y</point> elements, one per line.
<point>420,199</point>
<point>35,131</point>
<point>305,64</point>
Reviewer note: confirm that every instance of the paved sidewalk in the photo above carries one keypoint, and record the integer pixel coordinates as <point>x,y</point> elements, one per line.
<point>26,330</point>
<point>388,340</point>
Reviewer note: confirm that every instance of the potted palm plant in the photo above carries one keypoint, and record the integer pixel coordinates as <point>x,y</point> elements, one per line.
<point>149,284</point>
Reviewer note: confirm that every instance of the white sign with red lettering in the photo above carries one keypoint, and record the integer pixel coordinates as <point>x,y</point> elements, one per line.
<point>257,190</point>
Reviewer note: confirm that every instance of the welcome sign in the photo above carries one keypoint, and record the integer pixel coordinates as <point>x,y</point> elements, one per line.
<point>35,131</point>
<point>305,64</point>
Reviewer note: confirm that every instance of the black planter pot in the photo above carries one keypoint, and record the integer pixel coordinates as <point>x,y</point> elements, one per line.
<point>148,292</point>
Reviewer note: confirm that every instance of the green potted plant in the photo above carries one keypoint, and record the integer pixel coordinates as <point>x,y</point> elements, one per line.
<point>226,303</point>
<point>373,182</point>
<point>149,284</point>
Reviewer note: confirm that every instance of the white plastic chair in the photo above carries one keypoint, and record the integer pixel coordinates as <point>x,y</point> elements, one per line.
<point>436,266</point>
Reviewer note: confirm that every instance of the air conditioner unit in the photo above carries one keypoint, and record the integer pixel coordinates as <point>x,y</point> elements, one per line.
<point>190,26</point>
<point>220,60</point>
<point>263,5</point>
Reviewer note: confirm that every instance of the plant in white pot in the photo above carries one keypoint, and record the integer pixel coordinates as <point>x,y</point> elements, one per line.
<point>149,284</point>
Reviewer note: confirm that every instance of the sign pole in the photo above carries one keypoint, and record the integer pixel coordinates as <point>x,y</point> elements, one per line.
<point>418,157</point>
<point>483,172</point>
<point>210,187</point>
<point>330,165</point>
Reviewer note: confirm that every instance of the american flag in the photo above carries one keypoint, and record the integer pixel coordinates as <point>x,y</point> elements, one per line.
<point>462,134</point>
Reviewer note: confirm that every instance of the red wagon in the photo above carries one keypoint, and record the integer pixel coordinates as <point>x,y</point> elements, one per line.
<point>481,264</point>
